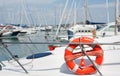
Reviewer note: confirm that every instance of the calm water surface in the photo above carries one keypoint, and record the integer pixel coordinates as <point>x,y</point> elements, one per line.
<point>23,50</point>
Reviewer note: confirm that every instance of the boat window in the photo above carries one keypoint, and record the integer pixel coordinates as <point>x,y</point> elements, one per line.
<point>85,30</point>
<point>82,31</point>
<point>88,30</point>
<point>100,29</point>
<point>111,28</point>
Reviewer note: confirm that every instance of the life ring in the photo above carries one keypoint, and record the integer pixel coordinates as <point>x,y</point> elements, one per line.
<point>82,68</point>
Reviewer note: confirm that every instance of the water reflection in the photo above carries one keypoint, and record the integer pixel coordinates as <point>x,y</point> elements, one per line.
<point>22,50</point>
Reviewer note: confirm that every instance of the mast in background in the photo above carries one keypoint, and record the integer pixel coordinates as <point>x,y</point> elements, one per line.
<point>75,15</point>
<point>107,5</point>
<point>116,15</point>
<point>66,4</point>
<point>85,12</point>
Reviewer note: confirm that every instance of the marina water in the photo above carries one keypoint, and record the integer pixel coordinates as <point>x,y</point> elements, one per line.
<point>22,50</point>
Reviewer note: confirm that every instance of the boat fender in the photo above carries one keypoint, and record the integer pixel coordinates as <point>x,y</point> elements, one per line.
<point>52,47</point>
<point>83,68</point>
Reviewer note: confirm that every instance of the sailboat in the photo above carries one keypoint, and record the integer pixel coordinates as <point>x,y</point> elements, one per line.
<point>90,29</point>
<point>86,28</point>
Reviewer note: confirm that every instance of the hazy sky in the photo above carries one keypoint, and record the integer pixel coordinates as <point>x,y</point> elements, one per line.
<point>49,11</point>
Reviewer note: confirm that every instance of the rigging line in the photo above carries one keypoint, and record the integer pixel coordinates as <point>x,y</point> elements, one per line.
<point>61,18</point>
<point>24,10</point>
<point>51,35</point>
<point>10,37</point>
<point>30,62</point>
<point>33,44</point>
<point>114,43</point>
<point>31,17</point>
<point>32,56</point>
<point>29,48</point>
<point>90,14</point>
<point>40,36</point>
<point>70,11</point>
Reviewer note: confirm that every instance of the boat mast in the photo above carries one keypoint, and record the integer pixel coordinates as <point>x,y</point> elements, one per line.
<point>75,14</point>
<point>85,12</point>
<point>107,5</point>
<point>116,15</point>
<point>66,4</point>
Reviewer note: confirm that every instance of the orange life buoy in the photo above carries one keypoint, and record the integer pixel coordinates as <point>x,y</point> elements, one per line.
<point>83,68</point>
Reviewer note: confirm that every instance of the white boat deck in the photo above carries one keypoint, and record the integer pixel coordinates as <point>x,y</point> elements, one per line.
<point>54,65</point>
